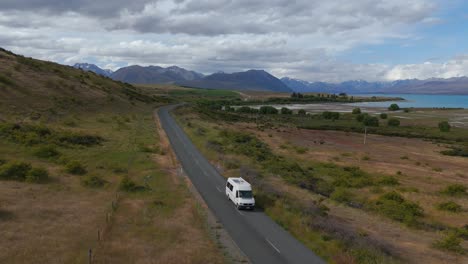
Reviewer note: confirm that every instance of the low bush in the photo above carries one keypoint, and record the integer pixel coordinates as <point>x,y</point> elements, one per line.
<point>383,116</point>
<point>22,171</point>
<point>127,185</point>
<point>356,111</point>
<point>450,206</point>
<point>444,126</point>
<point>454,190</point>
<point>341,195</point>
<point>268,110</point>
<point>393,122</point>
<point>394,206</point>
<point>16,171</point>
<point>389,181</point>
<point>331,115</point>
<point>456,151</point>
<point>46,152</point>
<point>74,167</point>
<point>301,112</point>
<point>286,111</point>
<point>93,182</point>
<point>371,121</point>
<point>361,117</point>
<point>451,242</point>
<point>37,175</point>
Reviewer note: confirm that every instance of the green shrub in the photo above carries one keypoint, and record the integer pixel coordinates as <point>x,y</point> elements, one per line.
<point>2,161</point>
<point>456,151</point>
<point>454,190</point>
<point>383,116</point>
<point>389,181</point>
<point>361,117</point>
<point>331,115</point>
<point>16,171</point>
<point>393,107</point>
<point>286,111</point>
<point>341,195</point>
<point>266,110</point>
<point>371,121</point>
<point>393,122</point>
<point>37,175</point>
<point>127,185</point>
<point>356,111</point>
<point>301,112</point>
<point>451,242</point>
<point>301,150</point>
<point>46,152</point>
<point>244,109</point>
<point>444,126</point>
<point>394,206</point>
<point>93,182</point>
<point>79,139</point>
<point>74,167</point>
<point>450,206</point>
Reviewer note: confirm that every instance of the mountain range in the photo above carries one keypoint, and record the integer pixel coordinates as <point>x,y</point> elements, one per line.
<point>263,81</point>
<point>457,85</point>
<point>258,80</point>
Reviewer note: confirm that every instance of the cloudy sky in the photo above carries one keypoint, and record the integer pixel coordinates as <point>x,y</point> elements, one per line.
<point>314,40</point>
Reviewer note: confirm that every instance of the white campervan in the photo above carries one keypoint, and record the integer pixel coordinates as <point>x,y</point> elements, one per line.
<point>240,193</point>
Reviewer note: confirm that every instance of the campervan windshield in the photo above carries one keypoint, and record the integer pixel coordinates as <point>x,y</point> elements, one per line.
<point>245,194</point>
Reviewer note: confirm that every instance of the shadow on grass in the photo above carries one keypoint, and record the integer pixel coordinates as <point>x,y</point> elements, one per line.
<point>6,215</point>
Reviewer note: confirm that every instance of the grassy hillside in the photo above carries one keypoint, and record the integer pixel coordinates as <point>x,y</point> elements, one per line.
<point>84,166</point>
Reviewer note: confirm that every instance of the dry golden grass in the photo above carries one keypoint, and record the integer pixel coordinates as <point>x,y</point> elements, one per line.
<point>385,156</point>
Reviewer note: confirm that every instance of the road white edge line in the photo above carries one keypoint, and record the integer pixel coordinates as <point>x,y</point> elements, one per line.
<point>219,190</point>
<point>273,246</point>
<point>237,210</point>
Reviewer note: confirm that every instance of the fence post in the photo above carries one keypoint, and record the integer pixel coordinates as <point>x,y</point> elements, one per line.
<point>90,256</point>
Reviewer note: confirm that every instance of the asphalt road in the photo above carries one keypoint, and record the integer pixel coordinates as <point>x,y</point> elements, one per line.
<point>258,236</point>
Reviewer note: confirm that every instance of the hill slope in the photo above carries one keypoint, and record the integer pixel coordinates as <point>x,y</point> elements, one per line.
<point>80,156</point>
<point>154,74</point>
<point>249,80</point>
<point>32,86</point>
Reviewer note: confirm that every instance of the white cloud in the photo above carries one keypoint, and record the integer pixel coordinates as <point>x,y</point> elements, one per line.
<point>289,38</point>
<point>456,67</point>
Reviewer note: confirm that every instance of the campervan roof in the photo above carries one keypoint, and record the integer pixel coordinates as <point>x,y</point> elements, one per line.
<point>240,182</point>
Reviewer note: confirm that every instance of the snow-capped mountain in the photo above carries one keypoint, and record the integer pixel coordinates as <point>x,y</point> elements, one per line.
<point>93,68</point>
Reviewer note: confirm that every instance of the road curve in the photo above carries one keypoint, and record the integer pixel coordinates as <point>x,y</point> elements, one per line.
<point>258,236</point>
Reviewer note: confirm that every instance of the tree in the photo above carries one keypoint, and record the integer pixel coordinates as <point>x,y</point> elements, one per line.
<point>266,110</point>
<point>356,111</point>
<point>301,112</point>
<point>371,121</point>
<point>299,95</point>
<point>393,122</point>
<point>393,107</point>
<point>286,111</point>
<point>383,115</point>
<point>293,95</point>
<point>444,126</point>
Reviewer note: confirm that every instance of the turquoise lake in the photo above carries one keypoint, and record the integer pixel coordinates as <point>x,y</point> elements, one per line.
<point>420,101</point>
